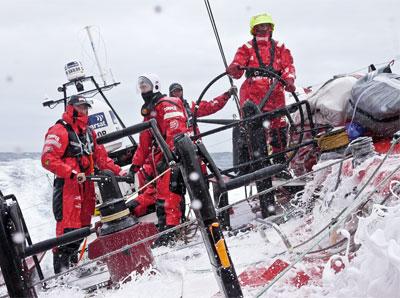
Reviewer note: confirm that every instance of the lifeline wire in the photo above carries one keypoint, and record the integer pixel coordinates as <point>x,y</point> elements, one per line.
<point>282,184</point>
<point>126,247</point>
<point>337,220</point>
<point>383,182</point>
<point>122,249</point>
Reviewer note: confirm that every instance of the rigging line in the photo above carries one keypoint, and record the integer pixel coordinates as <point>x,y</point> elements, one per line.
<point>86,54</point>
<point>105,51</point>
<point>122,249</point>
<point>101,41</point>
<point>377,64</point>
<point>382,183</point>
<point>131,196</point>
<point>282,184</point>
<point>214,26</point>
<point>392,190</point>
<point>354,71</point>
<point>338,219</point>
<point>362,206</point>
<point>332,224</point>
<point>370,194</point>
<point>391,193</point>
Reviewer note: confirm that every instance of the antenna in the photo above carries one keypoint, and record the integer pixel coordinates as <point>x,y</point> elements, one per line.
<point>102,74</point>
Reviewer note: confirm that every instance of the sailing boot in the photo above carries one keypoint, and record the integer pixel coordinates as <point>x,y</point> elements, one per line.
<point>61,260</point>
<point>66,256</point>
<point>167,239</point>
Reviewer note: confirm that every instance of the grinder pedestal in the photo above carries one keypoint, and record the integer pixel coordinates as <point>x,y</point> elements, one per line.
<point>137,258</point>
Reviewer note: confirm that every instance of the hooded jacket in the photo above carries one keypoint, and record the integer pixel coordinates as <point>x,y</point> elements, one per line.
<point>70,147</point>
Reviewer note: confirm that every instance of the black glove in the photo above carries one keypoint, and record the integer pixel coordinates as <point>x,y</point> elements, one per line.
<point>132,204</point>
<point>134,169</point>
<point>130,178</point>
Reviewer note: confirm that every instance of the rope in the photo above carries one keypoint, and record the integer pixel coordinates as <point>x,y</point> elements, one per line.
<point>333,140</point>
<point>392,192</point>
<point>338,219</point>
<point>383,182</point>
<point>114,216</point>
<point>132,196</point>
<point>176,227</point>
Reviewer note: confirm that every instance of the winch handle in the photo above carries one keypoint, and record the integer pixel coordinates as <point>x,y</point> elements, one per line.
<point>105,178</point>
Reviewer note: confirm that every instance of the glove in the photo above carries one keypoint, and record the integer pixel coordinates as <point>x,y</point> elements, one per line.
<point>234,71</point>
<point>233,90</point>
<point>134,169</point>
<point>290,87</point>
<point>132,204</point>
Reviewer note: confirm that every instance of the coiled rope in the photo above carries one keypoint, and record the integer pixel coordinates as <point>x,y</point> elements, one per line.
<point>333,140</point>
<point>361,149</point>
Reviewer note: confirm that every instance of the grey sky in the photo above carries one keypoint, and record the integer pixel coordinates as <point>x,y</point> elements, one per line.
<point>38,37</point>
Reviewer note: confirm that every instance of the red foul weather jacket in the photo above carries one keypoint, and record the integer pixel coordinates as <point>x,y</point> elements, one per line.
<point>178,112</point>
<point>73,203</point>
<point>206,108</point>
<point>147,172</point>
<point>210,107</point>
<point>171,118</point>
<point>171,121</point>
<point>255,87</point>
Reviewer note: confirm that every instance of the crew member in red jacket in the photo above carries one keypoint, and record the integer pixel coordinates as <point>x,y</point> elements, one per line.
<point>146,171</point>
<point>205,108</point>
<point>265,52</point>
<point>171,121</point>
<point>70,152</point>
